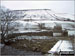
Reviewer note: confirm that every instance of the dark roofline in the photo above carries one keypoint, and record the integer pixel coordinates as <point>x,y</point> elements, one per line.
<point>30,9</point>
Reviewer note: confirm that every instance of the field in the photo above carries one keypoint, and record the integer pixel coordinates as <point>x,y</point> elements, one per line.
<point>37,45</point>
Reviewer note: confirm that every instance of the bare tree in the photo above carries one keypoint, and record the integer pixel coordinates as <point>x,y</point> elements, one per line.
<point>7,19</point>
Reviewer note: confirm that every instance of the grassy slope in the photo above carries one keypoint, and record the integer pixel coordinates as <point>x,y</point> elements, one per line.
<point>43,45</point>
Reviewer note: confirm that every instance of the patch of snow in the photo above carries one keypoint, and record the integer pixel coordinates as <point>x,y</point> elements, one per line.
<point>32,37</point>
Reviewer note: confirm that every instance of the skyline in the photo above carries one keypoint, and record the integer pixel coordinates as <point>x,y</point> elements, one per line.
<point>56,6</point>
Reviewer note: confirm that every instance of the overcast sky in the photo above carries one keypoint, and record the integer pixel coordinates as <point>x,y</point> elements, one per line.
<point>57,6</point>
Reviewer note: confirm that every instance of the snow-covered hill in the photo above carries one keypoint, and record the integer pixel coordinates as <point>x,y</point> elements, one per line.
<point>65,15</point>
<point>42,14</point>
<point>32,18</point>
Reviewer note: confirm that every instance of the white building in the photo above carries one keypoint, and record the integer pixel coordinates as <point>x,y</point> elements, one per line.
<point>71,32</point>
<point>57,34</point>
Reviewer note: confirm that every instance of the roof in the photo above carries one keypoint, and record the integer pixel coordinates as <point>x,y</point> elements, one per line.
<point>62,45</point>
